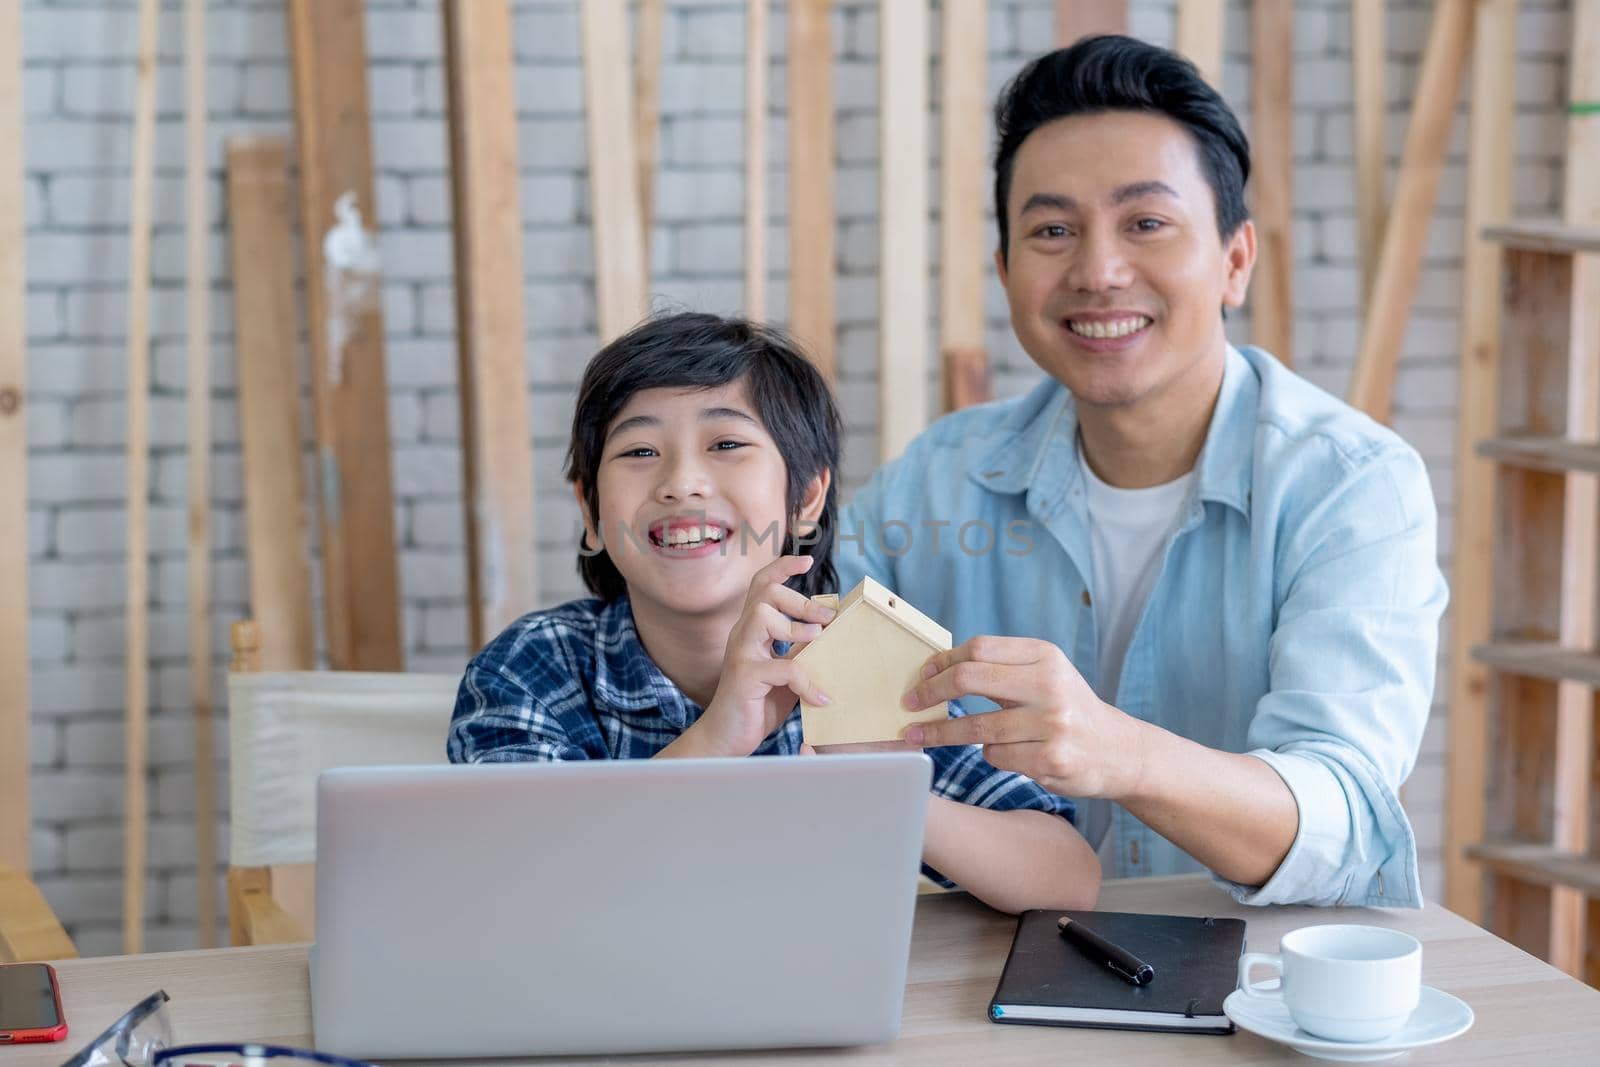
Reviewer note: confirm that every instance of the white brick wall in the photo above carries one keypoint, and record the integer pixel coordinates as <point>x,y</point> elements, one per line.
<point>78,81</point>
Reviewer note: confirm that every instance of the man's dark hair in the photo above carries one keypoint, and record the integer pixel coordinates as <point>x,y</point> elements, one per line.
<point>691,350</point>
<point>1116,73</point>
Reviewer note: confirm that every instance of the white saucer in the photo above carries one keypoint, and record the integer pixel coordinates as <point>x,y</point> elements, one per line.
<point>1439,1017</point>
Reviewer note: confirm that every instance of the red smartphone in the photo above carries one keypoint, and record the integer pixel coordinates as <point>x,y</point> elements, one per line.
<point>30,1004</point>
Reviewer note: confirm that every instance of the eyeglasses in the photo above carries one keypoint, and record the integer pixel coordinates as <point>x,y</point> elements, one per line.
<point>143,1038</point>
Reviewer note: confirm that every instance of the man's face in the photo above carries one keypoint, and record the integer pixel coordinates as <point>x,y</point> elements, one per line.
<point>1116,275</point>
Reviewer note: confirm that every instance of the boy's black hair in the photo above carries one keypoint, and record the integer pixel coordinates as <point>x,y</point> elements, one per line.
<point>693,350</point>
<point>1115,73</point>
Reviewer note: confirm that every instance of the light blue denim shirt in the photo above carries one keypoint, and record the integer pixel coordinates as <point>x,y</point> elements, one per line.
<point>1295,618</point>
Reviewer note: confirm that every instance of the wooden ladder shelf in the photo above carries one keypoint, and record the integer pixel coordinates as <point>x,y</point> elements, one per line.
<point>1536,866</point>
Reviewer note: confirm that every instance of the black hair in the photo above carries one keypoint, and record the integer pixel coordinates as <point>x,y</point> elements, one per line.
<point>693,350</point>
<point>1115,73</point>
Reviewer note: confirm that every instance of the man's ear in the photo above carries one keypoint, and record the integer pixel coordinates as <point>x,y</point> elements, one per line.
<point>591,539</point>
<point>816,497</point>
<point>1000,266</point>
<point>1239,259</point>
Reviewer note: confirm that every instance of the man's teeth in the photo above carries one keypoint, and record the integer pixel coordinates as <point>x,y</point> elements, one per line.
<point>1114,328</point>
<point>686,536</point>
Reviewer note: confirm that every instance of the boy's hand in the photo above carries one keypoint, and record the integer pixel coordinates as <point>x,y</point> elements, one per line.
<point>759,689</point>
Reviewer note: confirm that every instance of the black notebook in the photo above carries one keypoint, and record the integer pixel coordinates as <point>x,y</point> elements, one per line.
<point>1050,980</point>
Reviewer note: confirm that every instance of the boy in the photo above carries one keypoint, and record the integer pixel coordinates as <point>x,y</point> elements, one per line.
<point>703,447</point>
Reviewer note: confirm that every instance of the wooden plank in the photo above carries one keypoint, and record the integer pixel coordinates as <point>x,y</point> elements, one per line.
<point>1541,659</point>
<point>197,229</point>
<point>1077,19</point>
<point>14,709</point>
<point>613,168</point>
<point>1545,235</point>
<point>491,335</point>
<point>755,159</point>
<point>1400,262</point>
<point>1540,454</point>
<point>963,174</point>
<point>1575,703</point>
<point>647,114</point>
<point>903,224</point>
<point>135,808</point>
<point>360,575</point>
<point>812,224</point>
<point>29,930</point>
<point>277,527</point>
<point>1272,137</point>
<point>1369,55</point>
<point>1540,864</point>
<point>1199,37</point>
<point>1488,201</point>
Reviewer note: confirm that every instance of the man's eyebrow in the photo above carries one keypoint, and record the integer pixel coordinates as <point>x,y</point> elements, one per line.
<point>1123,194</point>
<point>1139,190</point>
<point>1050,201</point>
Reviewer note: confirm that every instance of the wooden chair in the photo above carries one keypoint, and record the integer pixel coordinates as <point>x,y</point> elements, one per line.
<point>286,728</point>
<point>29,930</point>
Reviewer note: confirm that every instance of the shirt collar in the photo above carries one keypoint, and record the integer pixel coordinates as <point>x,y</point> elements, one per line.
<point>625,677</point>
<point>1010,461</point>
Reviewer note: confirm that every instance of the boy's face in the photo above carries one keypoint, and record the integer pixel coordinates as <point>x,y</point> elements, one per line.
<point>1116,274</point>
<point>693,497</point>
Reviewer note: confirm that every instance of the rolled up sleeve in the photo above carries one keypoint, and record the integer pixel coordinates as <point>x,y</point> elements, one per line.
<point>1352,665</point>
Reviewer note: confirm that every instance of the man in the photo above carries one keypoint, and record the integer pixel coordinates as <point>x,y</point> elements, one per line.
<point>1224,579</point>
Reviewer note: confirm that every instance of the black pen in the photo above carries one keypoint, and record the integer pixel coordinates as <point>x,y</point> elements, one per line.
<point>1123,964</point>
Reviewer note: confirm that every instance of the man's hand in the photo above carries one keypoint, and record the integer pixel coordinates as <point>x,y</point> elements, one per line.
<point>758,690</point>
<point>1050,726</point>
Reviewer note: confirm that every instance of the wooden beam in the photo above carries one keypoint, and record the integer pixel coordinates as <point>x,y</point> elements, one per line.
<point>1400,263</point>
<point>647,113</point>
<point>278,530</point>
<point>812,224</point>
<point>1489,151</point>
<point>755,159</point>
<point>613,168</point>
<point>29,930</point>
<point>1575,751</point>
<point>1272,137</point>
<point>135,808</point>
<point>1199,37</point>
<point>903,224</point>
<point>491,335</point>
<point>964,168</point>
<point>1368,55</point>
<point>14,709</point>
<point>1076,19</point>
<point>361,600</point>
<point>197,228</point>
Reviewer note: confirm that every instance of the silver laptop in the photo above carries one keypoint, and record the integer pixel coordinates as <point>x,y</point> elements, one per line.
<point>615,906</point>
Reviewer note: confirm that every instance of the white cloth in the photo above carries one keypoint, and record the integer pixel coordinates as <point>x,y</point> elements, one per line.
<point>1128,533</point>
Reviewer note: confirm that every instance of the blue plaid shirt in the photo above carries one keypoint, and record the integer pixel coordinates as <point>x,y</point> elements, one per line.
<point>574,682</point>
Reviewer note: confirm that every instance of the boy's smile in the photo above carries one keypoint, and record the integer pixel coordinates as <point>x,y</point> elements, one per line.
<point>693,499</point>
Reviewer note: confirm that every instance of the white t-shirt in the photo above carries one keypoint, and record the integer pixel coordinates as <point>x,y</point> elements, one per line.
<point>1128,531</point>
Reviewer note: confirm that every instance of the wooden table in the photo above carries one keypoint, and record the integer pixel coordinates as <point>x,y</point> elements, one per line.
<point>1527,1011</point>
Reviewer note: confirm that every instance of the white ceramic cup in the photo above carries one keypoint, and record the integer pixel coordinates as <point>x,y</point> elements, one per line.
<point>1343,983</point>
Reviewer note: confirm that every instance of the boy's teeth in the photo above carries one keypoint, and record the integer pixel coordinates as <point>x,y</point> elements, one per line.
<point>680,537</point>
<point>1114,328</point>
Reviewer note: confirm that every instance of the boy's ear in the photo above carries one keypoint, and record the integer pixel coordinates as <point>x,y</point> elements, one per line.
<point>816,497</point>
<point>591,540</point>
